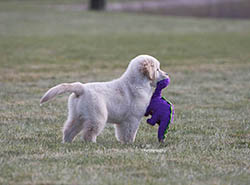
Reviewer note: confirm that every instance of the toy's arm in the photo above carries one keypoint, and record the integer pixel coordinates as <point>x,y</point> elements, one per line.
<point>154,119</point>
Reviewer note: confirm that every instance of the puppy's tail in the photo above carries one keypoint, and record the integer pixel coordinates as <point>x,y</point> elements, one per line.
<point>76,88</point>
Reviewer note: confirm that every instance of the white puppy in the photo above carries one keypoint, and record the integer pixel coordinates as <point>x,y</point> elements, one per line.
<point>122,102</point>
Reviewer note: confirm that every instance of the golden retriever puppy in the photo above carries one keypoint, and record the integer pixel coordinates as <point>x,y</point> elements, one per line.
<point>122,101</point>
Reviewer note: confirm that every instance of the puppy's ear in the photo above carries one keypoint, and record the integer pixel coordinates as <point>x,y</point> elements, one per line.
<point>148,69</point>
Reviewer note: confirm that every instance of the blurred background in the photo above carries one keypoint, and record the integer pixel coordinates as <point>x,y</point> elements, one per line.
<point>200,8</point>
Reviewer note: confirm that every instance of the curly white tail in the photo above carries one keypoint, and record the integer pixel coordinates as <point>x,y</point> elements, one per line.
<point>76,88</point>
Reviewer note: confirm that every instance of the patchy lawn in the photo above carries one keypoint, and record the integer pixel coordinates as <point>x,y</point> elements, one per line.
<point>207,59</point>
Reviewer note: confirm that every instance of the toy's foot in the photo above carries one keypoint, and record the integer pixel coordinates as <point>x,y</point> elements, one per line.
<point>149,121</point>
<point>161,140</point>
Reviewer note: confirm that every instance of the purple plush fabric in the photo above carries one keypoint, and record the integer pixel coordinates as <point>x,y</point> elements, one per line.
<point>162,110</point>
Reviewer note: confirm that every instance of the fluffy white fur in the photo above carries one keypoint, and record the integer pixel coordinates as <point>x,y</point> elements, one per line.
<point>122,102</point>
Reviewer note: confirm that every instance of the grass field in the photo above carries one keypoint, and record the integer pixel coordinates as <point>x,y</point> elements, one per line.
<point>209,64</point>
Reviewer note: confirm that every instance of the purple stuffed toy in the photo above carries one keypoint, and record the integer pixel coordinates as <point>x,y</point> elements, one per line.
<point>162,110</point>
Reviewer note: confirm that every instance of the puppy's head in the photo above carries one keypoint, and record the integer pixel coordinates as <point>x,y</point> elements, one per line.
<point>150,68</point>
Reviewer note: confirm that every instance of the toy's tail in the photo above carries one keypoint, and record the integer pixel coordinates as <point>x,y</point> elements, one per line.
<point>171,110</point>
<point>76,88</point>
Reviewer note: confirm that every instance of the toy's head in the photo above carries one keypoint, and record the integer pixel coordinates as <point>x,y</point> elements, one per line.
<point>163,83</point>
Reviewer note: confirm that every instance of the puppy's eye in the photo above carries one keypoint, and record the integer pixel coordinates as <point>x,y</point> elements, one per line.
<point>158,70</point>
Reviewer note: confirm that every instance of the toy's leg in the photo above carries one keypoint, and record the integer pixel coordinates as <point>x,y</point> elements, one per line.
<point>163,128</point>
<point>152,121</point>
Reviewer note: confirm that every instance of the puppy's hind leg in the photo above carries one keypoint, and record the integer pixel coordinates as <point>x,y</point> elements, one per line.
<point>74,123</point>
<point>71,128</point>
<point>91,130</point>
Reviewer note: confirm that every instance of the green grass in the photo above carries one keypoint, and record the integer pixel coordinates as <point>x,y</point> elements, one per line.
<point>209,64</point>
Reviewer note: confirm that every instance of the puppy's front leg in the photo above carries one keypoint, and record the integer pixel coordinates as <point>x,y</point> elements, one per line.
<point>125,132</point>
